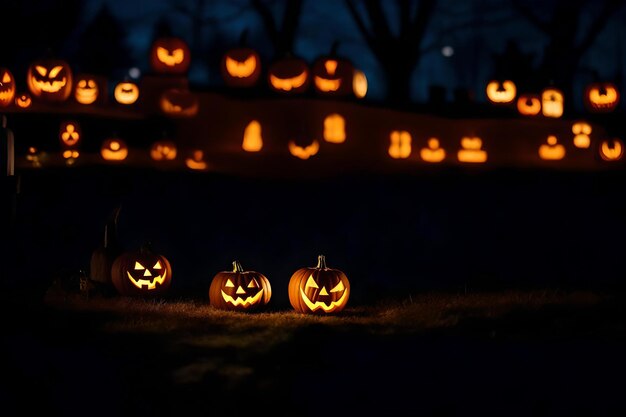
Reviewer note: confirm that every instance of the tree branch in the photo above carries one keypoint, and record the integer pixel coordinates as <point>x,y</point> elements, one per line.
<point>360,23</point>
<point>610,7</point>
<point>268,20</point>
<point>527,12</point>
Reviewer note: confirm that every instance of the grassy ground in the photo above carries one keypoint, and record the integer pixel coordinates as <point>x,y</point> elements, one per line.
<point>503,353</point>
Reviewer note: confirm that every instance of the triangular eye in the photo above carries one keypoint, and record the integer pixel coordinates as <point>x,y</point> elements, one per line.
<point>157,265</point>
<point>311,282</point>
<point>55,71</point>
<point>138,266</point>
<point>338,287</point>
<point>229,284</point>
<point>253,284</point>
<point>6,78</point>
<point>41,70</point>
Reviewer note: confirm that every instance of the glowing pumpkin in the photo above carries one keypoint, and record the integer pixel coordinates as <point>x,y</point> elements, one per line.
<point>239,290</point>
<point>241,67</point>
<point>433,153</point>
<point>70,156</point>
<point>303,152</point>
<point>289,75</point>
<point>163,150</point>
<point>359,84</point>
<point>177,102</point>
<point>34,157</point>
<point>551,150</point>
<point>611,150</point>
<point>126,92</point>
<point>319,290</point>
<point>69,134</point>
<point>23,101</point>
<point>90,89</point>
<point>141,273</point>
<point>114,149</point>
<point>400,144</point>
<point>170,55</point>
<point>196,161</point>
<point>252,140</point>
<point>552,102</point>
<point>7,87</point>
<point>601,97</point>
<point>529,105</point>
<point>471,151</point>
<point>332,76</point>
<point>50,79</point>
<point>335,128</point>
<point>501,92</point>
<point>581,131</point>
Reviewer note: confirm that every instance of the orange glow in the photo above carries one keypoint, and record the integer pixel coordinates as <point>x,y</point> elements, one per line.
<point>178,102</point>
<point>501,92</point>
<point>114,150</point>
<point>334,128</point>
<point>86,91</point>
<point>34,157</point>
<point>7,87</point>
<point>552,102</point>
<point>241,69</point>
<point>23,101</point>
<point>163,150</point>
<point>252,140</point>
<point>471,151</point>
<point>528,105</point>
<point>433,153</point>
<point>287,84</point>
<point>69,133</point>
<point>601,97</point>
<point>359,84</point>
<point>304,152</point>
<point>327,85</point>
<point>552,150</point>
<point>196,161</point>
<point>581,131</point>
<point>126,92</point>
<point>170,58</point>
<point>612,151</point>
<point>400,144</point>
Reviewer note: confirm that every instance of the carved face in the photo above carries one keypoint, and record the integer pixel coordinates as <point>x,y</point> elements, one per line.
<point>170,55</point>
<point>70,156</point>
<point>529,105</point>
<point>359,84</point>
<point>471,150</point>
<point>252,140</point>
<point>289,75</point>
<point>501,92</point>
<point>551,150</point>
<point>601,97</point>
<point>23,101</point>
<point>333,76</point>
<point>163,150</point>
<point>400,144</point>
<point>552,102</point>
<point>433,153</point>
<point>196,161</point>
<point>7,87</point>
<point>581,131</point>
<point>611,150</point>
<point>114,150</point>
<point>141,272</point>
<point>89,89</point>
<point>241,67</point>
<point>319,290</point>
<point>179,103</point>
<point>334,128</point>
<point>69,134</point>
<point>304,152</point>
<point>239,289</point>
<point>126,92</point>
<point>50,80</point>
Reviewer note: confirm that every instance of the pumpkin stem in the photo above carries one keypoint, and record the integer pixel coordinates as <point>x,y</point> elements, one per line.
<point>237,267</point>
<point>321,262</point>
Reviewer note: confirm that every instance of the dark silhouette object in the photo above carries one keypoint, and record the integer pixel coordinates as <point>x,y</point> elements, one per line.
<point>515,65</point>
<point>281,35</point>
<point>102,258</point>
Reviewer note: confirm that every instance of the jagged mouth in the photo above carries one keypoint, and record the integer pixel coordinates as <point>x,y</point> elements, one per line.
<point>240,301</point>
<point>320,304</point>
<point>149,284</point>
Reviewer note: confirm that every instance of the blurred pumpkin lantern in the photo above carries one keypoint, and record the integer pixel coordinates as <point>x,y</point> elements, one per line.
<point>303,152</point>
<point>7,87</point>
<point>359,84</point>
<point>501,92</point>
<point>252,139</point>
<point>335,128</point>
<point>241,66</point>
<point>163,150</point>
<point>50,79</point>
<point>433,153</point>
<point>319,290</point>
<point>289,75</point>
<point>529,104</point>
<point>141,273</point>
<point>23,101</point>
<point>196,161</point>
<point>170,55</point>
<point>551,150</point>
<point>552,102</point>
<point>69,134</point>
<point>126,92</point>
<point>177,102</point>
<point>471,150</point>
<point>581,131</point>
<point>239,290</point>
<point>114,149</point>
<point>332,75</point>
<point>601,97</point>
<point>90,89</point>
<point>611,150</point>
<point>400,144</point>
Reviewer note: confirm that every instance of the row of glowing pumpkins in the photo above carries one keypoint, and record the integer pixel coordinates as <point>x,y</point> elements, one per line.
<point>314,290</point>
<point>598,97</point>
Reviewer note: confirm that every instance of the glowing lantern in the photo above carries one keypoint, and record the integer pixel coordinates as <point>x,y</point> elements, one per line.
<point>552,150</point>
<point>581,131</point>
<point>400,144</point>
<point>141,273</point>
<point>471,151</point>
<point>196,161</point>
<point>552,102</point>
<point>611,151</point>
<point>163,150</point>
<point>319,290</point>
<point>239,290</point>
<point>252,140</point>
<point>114,149</point>
<point>359,84</point>
<point>304,152</point>
<point>529,105</point>
<point>289,75</point>
<point>7,87</point>
<point>50,79</point>
<point>501,92</point>
<point>334,128</point>
<point>601,97</point>
<point>34,157</point>
<point>70,156</point>
<point>90,89</point>
<point>176,102</point>
<point>23,101</point>
<point>69,134</point>
<point>332,75</point>
<point>433,153</point>
<point>126,92</point>
<point>170,55</point>
<point>241,67</point>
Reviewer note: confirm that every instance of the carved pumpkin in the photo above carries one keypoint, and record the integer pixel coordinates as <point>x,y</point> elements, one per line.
<point>70,156</point>
<point>319,290</point>
<point>196,161</point>
<point>581,131</point>
<point>501,92</point>
<point>552,102</point>
<point>241,67</point>
<point>90,89</point>
<point>239,290</point>
<point>529,105</point>
<point>177,102</point>
<point>335,128</point>
<point>433,153</point>
<point>332,76</point>
<point>50,79</point>
<point>359,84</point>
<point>400,144</point>
<point>141,273</point>
<point>304,152</point>
<point>69,134</point>
<point>163,150</point>
<point>114,149</point>
<point>126,92</point>
<point>252,140</point>
<point>601,97</point>
<point>23,101</point>
<point>170,55</point>
<point>471,151</point>
<point>289,75</point>
<point>7,87</point>
<point>34,156</point>
<point>611,150</point>
<point>551,150</point>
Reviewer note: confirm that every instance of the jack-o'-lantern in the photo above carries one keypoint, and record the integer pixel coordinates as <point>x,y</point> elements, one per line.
<point>304,152</point>
<point>34,156</point>
<point>611,150</point>
<point>170,55</point>
<point>90,89</point>
<point>552,102</point>
<point>114,149</point>
<point>529,104</point>
<point>141,273</point>
<point>69,134</point>
<point>400,144</point>
<point>50,79</point>
<point>335,128</point>
<point>501,92</point>
<point>319,290</point>
<point>359,84</point>
<point>289,75</point>
<point>433,153</point>
<point>196,161</point>
<point>70,156</point>
<point>552,150</point>
<point>601,97</point>
<point>239,290</point>
<point>177,102</point>
<point>241,67</point>
<point>7,87</point>
<point>332,76</point>
<point>126,92</point>
<point>163,150</point>
<point>581,131</point>
<point>471,150</point>
<point>23,101</point>
<point>252,139</point>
